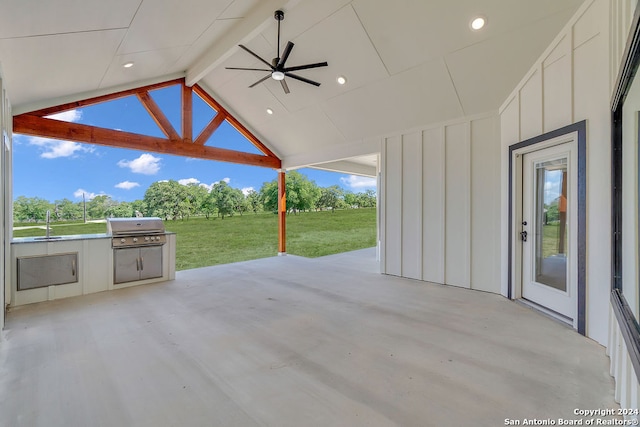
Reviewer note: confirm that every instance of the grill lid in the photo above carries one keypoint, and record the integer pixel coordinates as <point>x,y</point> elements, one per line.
<point>128,226</point>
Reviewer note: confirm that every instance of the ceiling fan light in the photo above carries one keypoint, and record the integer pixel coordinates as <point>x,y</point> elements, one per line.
<point>341,80</point>
<point>277,75</point>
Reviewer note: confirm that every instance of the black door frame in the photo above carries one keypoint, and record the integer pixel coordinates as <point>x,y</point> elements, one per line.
<point>581,129</point>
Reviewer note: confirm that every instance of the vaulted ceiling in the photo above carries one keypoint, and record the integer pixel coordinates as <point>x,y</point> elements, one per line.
<point>408,63</point>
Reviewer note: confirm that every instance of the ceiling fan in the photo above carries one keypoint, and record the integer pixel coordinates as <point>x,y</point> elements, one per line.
<point>277,68</point>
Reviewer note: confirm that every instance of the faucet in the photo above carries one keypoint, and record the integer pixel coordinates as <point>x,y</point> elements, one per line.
<point>48,222</point>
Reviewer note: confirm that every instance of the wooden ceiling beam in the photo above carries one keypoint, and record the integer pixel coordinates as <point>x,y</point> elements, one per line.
<point>41,126</point>
<point>187,113</point>
<point>232,120</point>
<point>103,98</point>
<point>158,116</point>
<point>36,123</point>
<point>213,125</point>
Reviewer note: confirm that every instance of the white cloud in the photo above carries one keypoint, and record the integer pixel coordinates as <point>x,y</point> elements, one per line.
<point>67,116</point>
<point>227,180</point>
<point>53,148</point>
<point>358,182</point>
<point>87,194</point>
<point>146,164</point>
<point>187,181</point>
<point>552,186</point>
<point>247,190</point>
<point>127,185</point>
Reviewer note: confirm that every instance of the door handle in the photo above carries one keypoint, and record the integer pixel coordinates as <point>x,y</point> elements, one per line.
<point>523,236</point>
<point>141,263</point>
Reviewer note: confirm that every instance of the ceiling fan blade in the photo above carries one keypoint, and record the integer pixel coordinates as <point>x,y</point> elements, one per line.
<point>302,79</point>
<point>248,69</point>
<point>261,80</point>
<point>285,87</point>
<point>305,67</point>
<point>285,55</point>
<point>252,53</point>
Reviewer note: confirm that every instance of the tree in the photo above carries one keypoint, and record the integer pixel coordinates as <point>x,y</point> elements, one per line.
<point>240,204</point>
<point>167,200</point>
<point>208,205</point>
<point>139,206</point>
<point>331,197</point>
<point>121,210</point>
<point>67,210</point>
<point>366,199</point>
<point>301,193</point>
<point>350,200</point>
<point>31,208</point>
<point>269,196</point>
<point>254,201</point>
<point>201,196</point>
<point>98,207</point>
<point>224,198</point>
<point>304,191</point>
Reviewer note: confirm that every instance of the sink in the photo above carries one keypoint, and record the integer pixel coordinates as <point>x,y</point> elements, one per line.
<point>48,238</point>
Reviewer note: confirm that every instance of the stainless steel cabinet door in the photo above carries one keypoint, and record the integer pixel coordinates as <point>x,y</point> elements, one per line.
<point>126,265</point>
<point>40,271</point>
<point>150,262</point>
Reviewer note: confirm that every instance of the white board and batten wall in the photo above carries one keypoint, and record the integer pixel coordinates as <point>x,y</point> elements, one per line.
<point>569,83</point>
<point>444,208</point>
<point>440,212</point>
<point>573,81</point>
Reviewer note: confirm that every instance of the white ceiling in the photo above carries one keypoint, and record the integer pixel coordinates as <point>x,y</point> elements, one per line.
<point>409,63</point>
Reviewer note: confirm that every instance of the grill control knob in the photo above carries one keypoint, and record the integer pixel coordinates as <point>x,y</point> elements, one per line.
<point>146,238</point>
<point>123,240</point>
<point>135,239</point>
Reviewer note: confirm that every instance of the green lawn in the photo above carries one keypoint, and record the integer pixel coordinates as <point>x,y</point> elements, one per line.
<point>550,240</point>
<point>202,242</point>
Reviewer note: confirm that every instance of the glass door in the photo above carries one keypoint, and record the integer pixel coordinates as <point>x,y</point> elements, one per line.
<point>548,217</point>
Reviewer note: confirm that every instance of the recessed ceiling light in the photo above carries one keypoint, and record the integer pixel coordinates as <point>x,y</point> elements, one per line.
<point>128,65</point>
<point>269,111</point>
<point>341,80</point>
<point>478,23</point>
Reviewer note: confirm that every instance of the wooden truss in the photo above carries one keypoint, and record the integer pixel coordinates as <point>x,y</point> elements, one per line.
<point>36,123</point>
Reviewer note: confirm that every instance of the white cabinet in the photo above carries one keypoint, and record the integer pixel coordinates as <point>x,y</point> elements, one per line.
<point>83,264</point>
<point>48,270</point>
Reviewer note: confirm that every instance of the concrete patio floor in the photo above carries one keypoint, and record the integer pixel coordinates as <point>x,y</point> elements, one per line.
<point>289,341</point>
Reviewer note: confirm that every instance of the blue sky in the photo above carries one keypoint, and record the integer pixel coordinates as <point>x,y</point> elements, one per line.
<point>54,170</point>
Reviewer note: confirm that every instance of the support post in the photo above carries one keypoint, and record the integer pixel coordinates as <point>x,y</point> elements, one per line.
<point>282,213</point>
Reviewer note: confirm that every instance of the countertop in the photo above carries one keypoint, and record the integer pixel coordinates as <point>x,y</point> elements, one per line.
<point>42,239</point>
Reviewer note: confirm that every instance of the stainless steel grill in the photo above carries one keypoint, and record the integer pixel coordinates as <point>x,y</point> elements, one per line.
<point>134,232</point>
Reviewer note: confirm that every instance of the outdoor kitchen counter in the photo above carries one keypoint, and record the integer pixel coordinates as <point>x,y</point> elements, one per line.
<point>59,238</point>
<point>90,262</point>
